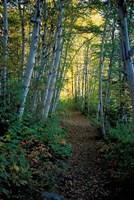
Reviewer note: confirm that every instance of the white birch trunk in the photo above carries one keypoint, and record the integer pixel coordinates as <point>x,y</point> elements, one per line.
<point>30,65</point>
<point>79,85</point>
<point>44,60</point>
<point>127,56</point>
<point>87,90</point>
<point>122,80</point>
<point>44,98</point>
<point>83,86</point>
<point>76,83</point>
<point>100,100</point>
<point>5,15</point>
<point>110,68</point>
<point>4,68</point>
<point>51,91</point>
<point>39,76</point>
<point>57,92</point>
<point>21,14</point>
<point>86,97</point>
<point>48,95</point>
<point>61,75</point>
<point>72,82</point>
<point>52,84</point>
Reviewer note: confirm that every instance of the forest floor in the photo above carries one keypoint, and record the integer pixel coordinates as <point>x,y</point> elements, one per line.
<point>86,179</point>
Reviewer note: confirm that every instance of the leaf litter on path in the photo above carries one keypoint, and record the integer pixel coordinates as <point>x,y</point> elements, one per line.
<point>85,179</point>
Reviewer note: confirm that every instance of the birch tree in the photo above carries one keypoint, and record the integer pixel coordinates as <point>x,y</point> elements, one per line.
<point>21,8</point>
<point>85,81</point>
<point>77,82</point>
<point>36,19</point>
<point>5,54</point>
<point>56,57</point>
<point>62,69</point>
<point>100,101</point>
<point>122,6</point>
<point>44,51</point>
<point>110,67</point>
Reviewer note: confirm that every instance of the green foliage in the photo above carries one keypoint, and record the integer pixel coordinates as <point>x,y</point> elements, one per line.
<point>92,110</point>
<point>121,133</point>
<point>67,104</point>
<point>117,155</point>
<point>56,139</point>
<point>9,105</point>
<point>14,168</point>
<point>32,154</point>
<point>118,159</point>
<point>77,103</point>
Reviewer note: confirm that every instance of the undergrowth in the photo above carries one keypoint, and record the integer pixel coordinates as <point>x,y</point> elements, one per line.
<point>31,156</point>
<point>117,155</point>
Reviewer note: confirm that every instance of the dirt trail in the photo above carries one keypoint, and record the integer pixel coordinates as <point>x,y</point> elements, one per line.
<point>85,180</point>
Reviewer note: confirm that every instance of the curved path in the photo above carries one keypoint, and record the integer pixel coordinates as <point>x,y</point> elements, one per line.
<point>85,180</point>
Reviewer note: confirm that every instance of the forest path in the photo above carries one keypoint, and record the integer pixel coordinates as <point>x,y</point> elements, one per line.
<point>84,180</point>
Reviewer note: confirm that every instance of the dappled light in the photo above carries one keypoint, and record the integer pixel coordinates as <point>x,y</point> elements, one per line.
<point>66,100</point>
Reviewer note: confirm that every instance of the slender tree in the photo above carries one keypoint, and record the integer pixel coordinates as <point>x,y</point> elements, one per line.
<point>21,8</point>
<point>110,67</point>
<point>86,80</point>
<point>5,56</point>
<point>122,6</point>
<point>100,111</point>
<point>62,69</point>
<point>56,58</point>
<point>36,19</point>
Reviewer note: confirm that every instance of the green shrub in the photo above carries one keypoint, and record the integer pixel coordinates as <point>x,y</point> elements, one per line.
<point>32,154</point>
<point>121,132</point>
<point>65,105</point>
<point>117,154</point>
<point>14,168</point>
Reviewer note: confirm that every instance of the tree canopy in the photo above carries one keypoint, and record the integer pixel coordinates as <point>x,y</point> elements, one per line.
<point>56,50</point>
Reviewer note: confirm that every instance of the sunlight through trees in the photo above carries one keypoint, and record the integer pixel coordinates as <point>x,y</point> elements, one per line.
<point>54,51</point>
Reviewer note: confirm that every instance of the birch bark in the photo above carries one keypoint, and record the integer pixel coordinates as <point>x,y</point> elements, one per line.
<point>110,67</point>
<point>62,71</point>
<point>45,51</point>
<point>86,98</point>
<point>36,19</point>
<point>46,91</point>
<point>4,68</point>
<point>100,101</point>
<point>122,6</point>
<point>76,83</point>
<point>48,95</point>
<point>83,91</point>
<point>21,14</point>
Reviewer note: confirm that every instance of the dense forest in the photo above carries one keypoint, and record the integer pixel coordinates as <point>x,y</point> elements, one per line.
<point>59,56</point>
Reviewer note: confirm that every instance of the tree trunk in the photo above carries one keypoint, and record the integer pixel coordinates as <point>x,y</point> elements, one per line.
<point>86,98</point>
<point>110,68</point>
<point>62,72</point>
<point>100,101</point>
<point>5,55</point>
<point>83,91</point>
<point>123,82</point>
<point>45,51</point>
<point>127,55</point>
<point>36,19</point>
<point>21,14</point>
<point>51,82</point>
<point>76,83</point>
